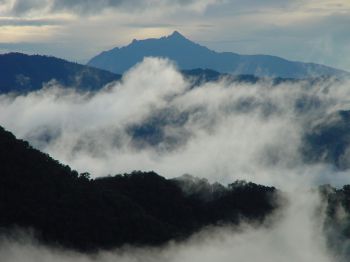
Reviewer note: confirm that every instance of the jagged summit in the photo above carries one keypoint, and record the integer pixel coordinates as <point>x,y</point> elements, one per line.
<point>173,37</point>
<point>176,35</point>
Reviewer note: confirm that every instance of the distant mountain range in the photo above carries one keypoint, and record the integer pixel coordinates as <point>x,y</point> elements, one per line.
<point>189,55</point>
<point>22,73</point>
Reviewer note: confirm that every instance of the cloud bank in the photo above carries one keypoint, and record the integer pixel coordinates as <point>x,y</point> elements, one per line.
<point>155,120</point>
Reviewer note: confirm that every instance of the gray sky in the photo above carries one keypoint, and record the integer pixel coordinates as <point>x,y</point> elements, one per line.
<point>305,30</point>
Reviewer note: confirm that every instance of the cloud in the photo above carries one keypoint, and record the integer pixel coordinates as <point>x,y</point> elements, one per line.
<point>30,22</point>
<point>285,28</point>
<point>84,7</point>
<point>153,120</point>
<point>20,6</point>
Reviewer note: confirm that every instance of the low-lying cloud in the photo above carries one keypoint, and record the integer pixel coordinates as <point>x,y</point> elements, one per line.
<point>154,119</point>
<point>295,237</point>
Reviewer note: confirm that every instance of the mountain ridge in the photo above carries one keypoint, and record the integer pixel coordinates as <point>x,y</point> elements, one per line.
<point>189,55</point>
<point>22,73</point>
<point>25,73</point>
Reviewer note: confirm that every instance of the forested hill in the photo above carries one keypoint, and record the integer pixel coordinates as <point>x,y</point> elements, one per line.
<point>69,209</point>
<point>25,73</point>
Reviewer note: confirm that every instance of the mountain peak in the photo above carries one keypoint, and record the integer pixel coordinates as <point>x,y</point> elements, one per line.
<point>176,35</point>
<point>190,55</point>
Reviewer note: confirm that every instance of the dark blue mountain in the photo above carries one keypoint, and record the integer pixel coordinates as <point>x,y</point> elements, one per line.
<point>24,73</point>
<point>21,73</point>
<point>189,55</point>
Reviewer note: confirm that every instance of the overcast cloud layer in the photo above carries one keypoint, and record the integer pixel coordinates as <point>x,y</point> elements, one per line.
<point>305,30</point>
<point>84,7</point>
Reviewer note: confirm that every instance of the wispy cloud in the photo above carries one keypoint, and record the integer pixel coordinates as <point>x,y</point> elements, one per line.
<point>83,7</point>
<point>15,21</point>
<point>221,130</point>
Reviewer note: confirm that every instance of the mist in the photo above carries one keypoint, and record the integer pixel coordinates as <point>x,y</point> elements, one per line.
<point>154,119</point>
<point>295,236</point>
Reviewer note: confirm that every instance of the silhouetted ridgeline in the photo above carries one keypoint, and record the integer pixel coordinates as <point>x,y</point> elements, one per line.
<point>143,208</point>
<point>21,73</point>
<point>24,73</point>
<point>189,55</point>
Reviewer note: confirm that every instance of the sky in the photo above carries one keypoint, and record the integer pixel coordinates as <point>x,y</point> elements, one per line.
<point>232,131</point>
<point>304,30</point>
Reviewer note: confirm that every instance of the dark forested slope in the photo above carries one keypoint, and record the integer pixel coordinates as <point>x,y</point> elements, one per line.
<point>143,208</point>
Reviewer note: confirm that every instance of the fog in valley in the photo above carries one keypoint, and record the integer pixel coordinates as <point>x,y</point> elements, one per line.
<point>155,119</point>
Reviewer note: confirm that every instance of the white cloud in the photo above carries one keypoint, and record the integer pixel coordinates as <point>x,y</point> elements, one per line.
<point>220,130</point>
<point>223,131</point>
